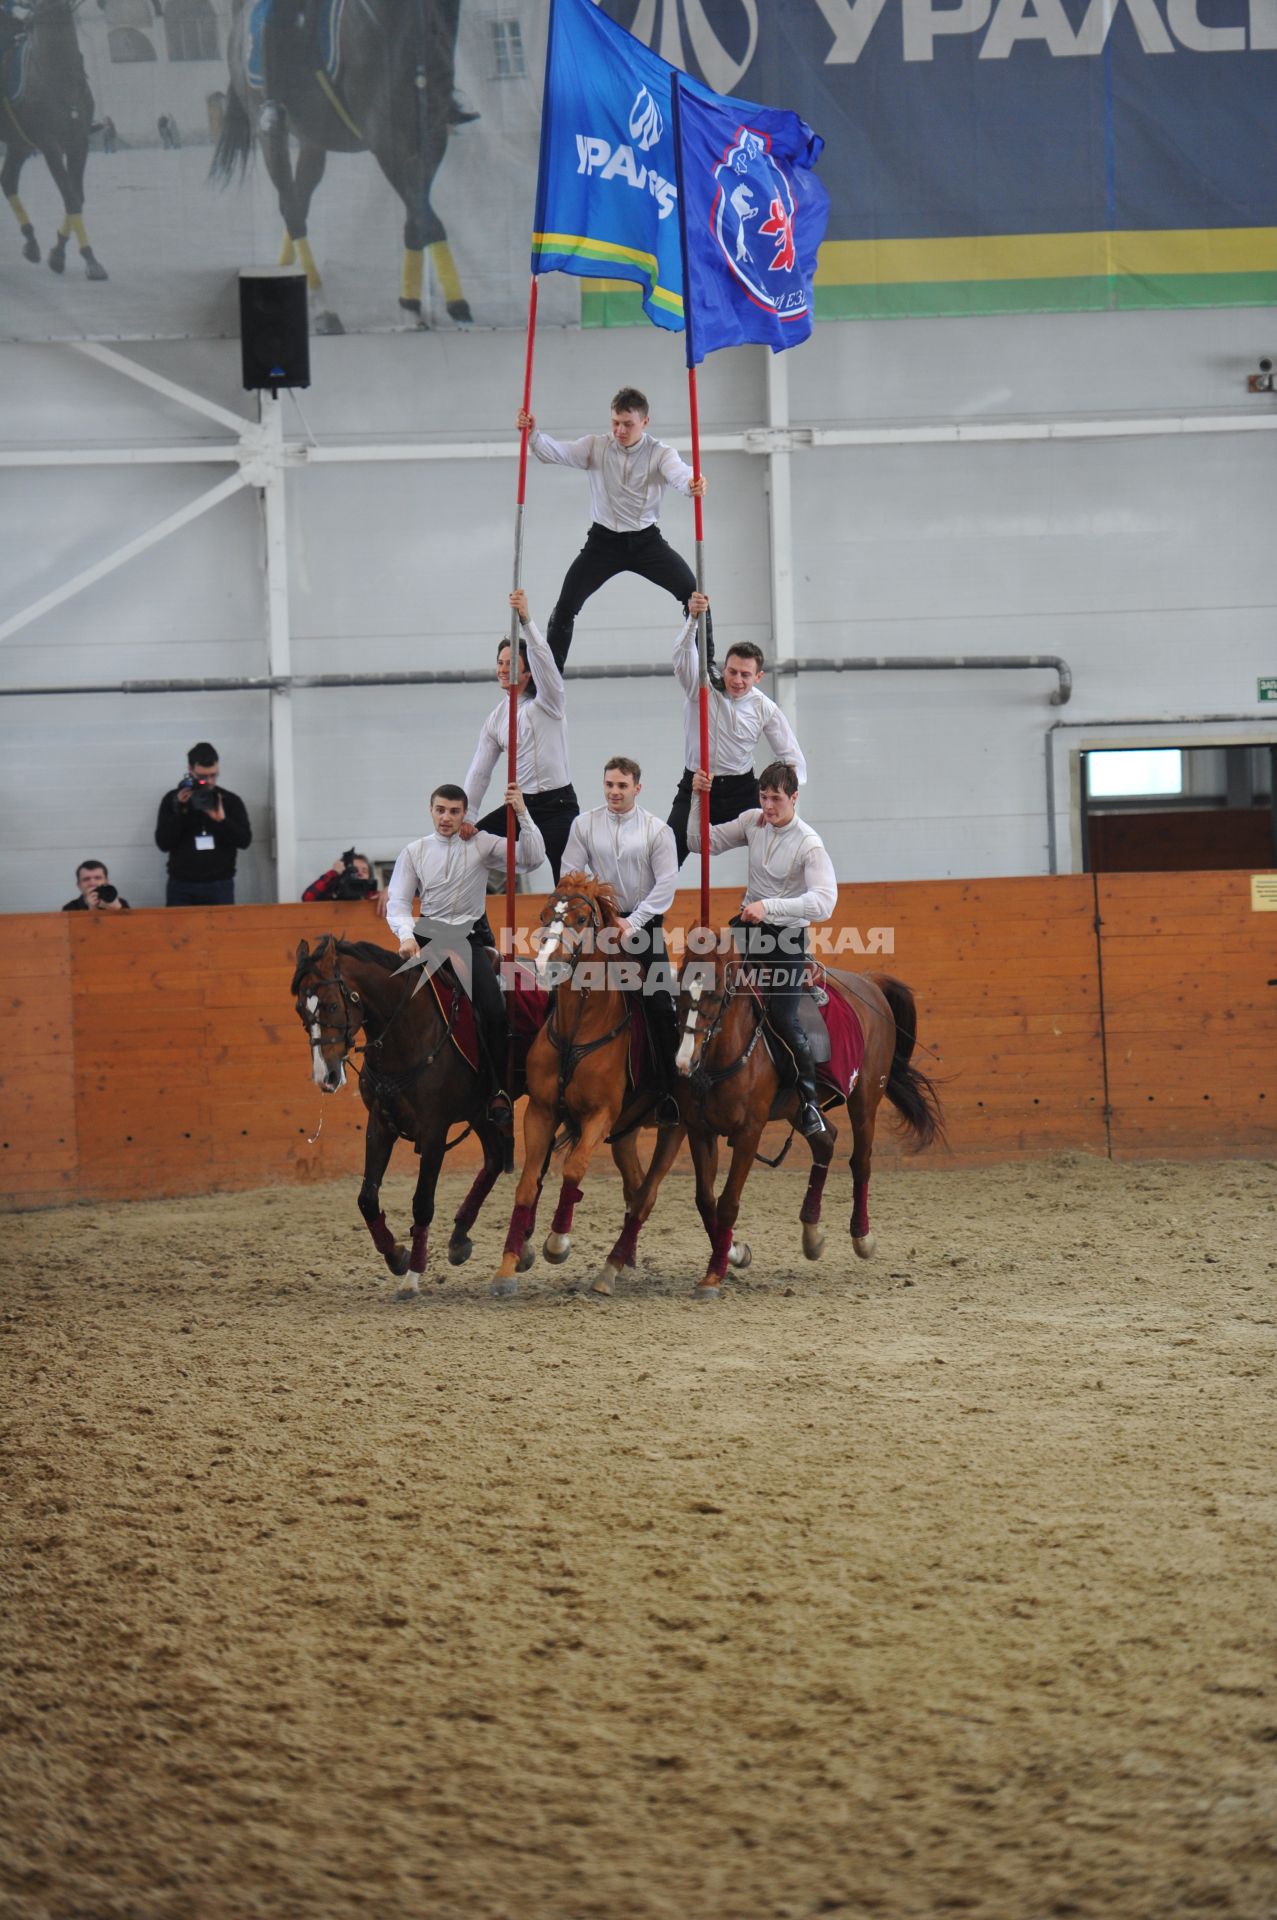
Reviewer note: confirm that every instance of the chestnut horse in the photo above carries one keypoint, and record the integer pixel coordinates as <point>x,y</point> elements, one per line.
<point>577,1075</point>
<point>414,1084</point>
<point>735,1089</point>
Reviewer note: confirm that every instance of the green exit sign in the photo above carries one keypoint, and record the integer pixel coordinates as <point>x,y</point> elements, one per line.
<point>1268,688</point>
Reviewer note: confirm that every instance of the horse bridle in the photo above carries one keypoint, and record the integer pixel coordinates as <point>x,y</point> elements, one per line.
<point>349,1001</point>
<point>704,1078</point>
<point>570,1053</point>
<point>382,1082</point>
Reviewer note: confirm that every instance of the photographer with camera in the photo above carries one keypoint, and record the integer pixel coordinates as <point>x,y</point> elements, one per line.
<point>349,878</point>
<point>201,827</point>
<point>96,891</point>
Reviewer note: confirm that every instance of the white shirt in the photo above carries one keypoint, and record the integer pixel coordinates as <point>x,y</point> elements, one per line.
<point>541,740</point>
<point>626,483</point>
<point>634,852</point>
<point>734,725</point>
<point>450,876</point>
<point>790,874</point>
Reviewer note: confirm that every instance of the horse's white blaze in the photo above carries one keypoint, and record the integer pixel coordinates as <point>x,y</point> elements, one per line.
<point>553,935</point>
<point>687,1045</point>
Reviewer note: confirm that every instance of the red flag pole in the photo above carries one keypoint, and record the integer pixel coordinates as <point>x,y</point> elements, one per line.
<point>512,748</point>
<point>702,650</point>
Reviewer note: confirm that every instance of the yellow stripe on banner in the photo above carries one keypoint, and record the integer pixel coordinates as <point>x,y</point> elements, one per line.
<point>1048,256</point>
<point>603,250</point>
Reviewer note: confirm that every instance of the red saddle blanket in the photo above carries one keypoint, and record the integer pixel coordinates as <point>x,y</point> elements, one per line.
<point>833,1032</point>
<point>526,1008</point>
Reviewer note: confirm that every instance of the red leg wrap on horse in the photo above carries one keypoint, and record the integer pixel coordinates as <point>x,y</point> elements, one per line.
<point>382,1238</point>
<point>811,1199</point>
<point>722,1242</point>
<point>622,1254</point>
<point>860,1209</point>
<point>522,1222</point>
<point>468,1212</point>
<point>568,1197</point>
<point>420,1249</point>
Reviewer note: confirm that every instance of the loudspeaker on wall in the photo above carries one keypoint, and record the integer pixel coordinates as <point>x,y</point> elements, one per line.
<point>273,329</point>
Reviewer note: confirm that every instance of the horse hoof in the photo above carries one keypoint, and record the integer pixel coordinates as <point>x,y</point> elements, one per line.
<point>328,322</point>
<point>31,252</point>
<point>459,310</point>
<point>602,1283</point>
<point>93,268</point>
<point>557,1248</point>
<point>813,1241</point>
<point>739,1255</point>
<point>505,1289</point>
<point>57,259</point>
<point>459,1250</point>
<point>411,1290</point>
<point>707,1290</point>
<point>864,1246</point>
<point>528,1258</point>
<point>398,1262</point>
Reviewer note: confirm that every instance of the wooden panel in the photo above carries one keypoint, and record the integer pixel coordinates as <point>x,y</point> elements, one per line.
<point>1191,1022</point>
<point>38,1161</point>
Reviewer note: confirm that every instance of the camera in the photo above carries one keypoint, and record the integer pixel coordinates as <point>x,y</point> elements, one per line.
<point>203,792</point>
<point>107,893</point>
<point>351,885</point>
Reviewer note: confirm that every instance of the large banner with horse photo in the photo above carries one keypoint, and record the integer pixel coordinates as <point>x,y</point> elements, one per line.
<point>981,155</point>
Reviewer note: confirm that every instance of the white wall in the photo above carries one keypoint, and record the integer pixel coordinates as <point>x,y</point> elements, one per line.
<point>1145,562</point>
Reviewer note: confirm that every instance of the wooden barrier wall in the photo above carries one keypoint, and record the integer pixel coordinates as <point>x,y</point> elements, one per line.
<point>157,1053</point>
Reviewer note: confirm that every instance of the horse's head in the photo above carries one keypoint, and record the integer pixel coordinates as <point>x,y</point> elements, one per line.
<point>706,990</point>
<point>571,920</point>
<point>330,1010</point>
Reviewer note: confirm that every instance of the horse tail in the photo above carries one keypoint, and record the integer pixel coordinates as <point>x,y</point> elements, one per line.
<point>911,1092</point>
<point>234,143</point>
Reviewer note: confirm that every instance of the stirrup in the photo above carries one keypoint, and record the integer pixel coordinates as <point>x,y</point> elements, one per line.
<point>811,1121</point>
<point>501,1111</point>
<point>667,1112</point>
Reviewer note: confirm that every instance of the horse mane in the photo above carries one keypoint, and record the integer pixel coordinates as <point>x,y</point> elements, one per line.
<point>355,949</point>
<point>596,890</point>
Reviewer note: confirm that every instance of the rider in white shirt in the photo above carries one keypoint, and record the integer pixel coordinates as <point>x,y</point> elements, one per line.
<point>541,737</point>
<point>790,883</point>
<point>739,716</point>
<point>447,873</point>
<point>629,471</point>
<point>633,851</point>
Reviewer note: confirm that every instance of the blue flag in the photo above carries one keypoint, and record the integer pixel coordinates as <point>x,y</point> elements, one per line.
<point>754,216</point>
<point>607,203</point>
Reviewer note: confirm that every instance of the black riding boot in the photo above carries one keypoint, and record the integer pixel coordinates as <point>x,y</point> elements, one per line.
<point>662,1033</point>
<point>810,1119</point>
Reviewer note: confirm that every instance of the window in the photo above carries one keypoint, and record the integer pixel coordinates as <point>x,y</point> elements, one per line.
<point>507,50</point>
<point>1134,772</point>
<point>128,13</point>
<point>190,30</point>
<point>128,44</point>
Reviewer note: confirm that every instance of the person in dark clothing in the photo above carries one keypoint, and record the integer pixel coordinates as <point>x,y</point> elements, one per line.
<point>349,878</point>
<point>96,892</point>
<point>202,827</point>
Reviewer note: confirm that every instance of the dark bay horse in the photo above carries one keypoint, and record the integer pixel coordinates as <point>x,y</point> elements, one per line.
<point>735,1089</point>
<point>52,114</point>
<point>577,1076</point>
<point>391,98</point>
<point>414,1084</point>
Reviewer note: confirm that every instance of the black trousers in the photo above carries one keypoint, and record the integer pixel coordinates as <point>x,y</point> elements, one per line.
<point>730,794</point>
<point>553,812</point>
<point>779,955</point>
<point>604,555</point>
<point>487,999</point>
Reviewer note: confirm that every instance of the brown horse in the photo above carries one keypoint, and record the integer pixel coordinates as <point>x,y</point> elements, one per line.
<point>414,1084</point>
<point>735,1089</point>
<point>52,115</point>
<point>577,1075</point>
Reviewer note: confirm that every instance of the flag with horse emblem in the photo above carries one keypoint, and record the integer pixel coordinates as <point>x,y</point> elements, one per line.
<point>606,199</point>
<point>754,215</point>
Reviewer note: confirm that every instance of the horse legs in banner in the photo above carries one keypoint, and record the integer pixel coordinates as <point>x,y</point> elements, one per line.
<point>15,155</point>
<point>295,189</point>
<point>378,1144</point>
<point>822,1153</point>
<point>720,1218</point>
<point>411,173</point>
<point>538,1139</point>
<point>461,1246</point>
<point>68,177</point>
<point>863,1238</point>
<point>593,1128</point>
<point>423,1210</point>
<point>640,1198</point>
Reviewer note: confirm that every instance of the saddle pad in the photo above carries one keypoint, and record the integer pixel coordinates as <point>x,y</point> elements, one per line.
<point>846,1040</point>
<point>526,1009</point>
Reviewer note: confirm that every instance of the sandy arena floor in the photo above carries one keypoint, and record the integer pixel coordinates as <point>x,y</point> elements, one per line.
<point>943,1583</point>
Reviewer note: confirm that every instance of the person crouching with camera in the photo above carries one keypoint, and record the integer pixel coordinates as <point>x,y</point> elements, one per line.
<point>349,878</point>
<point>202,827</point>
<point>96,892</point>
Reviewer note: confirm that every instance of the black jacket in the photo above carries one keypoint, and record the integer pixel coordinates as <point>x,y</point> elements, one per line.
<point>176,829</point>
